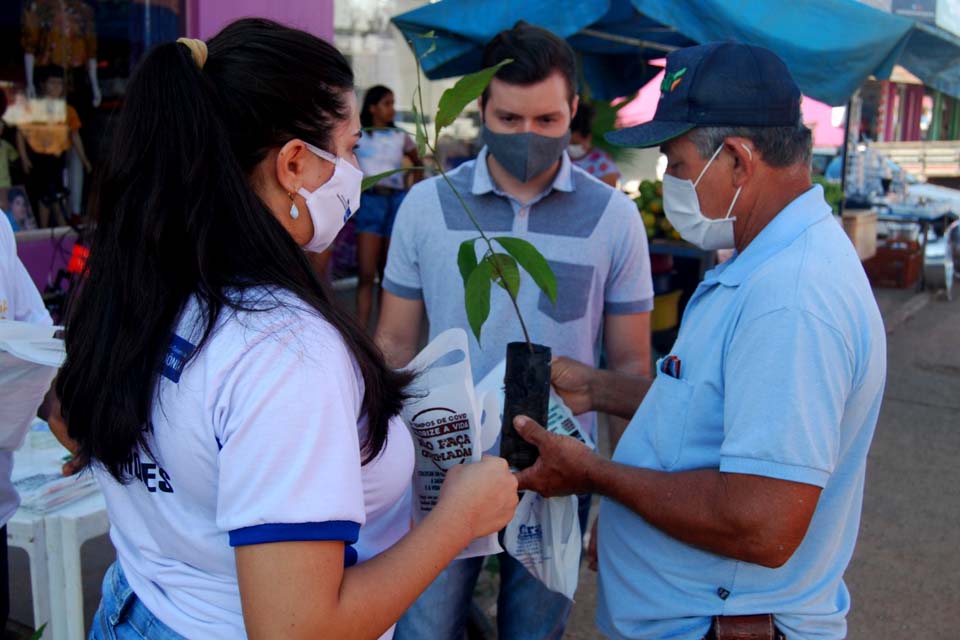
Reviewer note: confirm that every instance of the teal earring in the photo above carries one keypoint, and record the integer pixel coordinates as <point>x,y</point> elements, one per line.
<point>294,211</point>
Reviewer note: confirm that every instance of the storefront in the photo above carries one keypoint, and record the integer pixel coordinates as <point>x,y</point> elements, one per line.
<point>64,67</point>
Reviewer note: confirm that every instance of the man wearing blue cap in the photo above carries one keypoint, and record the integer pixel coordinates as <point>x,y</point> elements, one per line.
<point>733,500</point>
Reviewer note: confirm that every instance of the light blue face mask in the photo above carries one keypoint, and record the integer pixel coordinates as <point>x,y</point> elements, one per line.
<point>524,155</point>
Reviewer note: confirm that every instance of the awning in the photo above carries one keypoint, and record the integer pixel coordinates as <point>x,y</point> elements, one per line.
<point>830,46</point>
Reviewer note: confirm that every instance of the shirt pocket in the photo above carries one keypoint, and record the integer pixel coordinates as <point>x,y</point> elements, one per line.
<point>574,284</point>
<point>671,405</point>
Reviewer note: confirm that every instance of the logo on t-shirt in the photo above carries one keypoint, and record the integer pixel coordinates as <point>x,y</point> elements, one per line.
<point>177,355</point>
<point>153,476</point>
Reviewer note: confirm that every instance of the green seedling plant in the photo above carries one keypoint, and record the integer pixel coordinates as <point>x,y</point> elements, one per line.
<point>502,257</point>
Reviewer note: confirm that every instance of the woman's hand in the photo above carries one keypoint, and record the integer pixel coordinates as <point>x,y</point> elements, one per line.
<point>480,495</point>
<point>50,412</point>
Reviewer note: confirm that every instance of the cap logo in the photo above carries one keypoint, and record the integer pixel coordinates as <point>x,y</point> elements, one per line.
<point>672,80</point>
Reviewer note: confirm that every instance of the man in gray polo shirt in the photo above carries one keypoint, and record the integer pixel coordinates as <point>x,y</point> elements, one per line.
<point>522,184</point>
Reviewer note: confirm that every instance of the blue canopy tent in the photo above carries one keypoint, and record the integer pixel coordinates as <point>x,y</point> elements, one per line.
<point>613,41</point>
<point>830,46</point>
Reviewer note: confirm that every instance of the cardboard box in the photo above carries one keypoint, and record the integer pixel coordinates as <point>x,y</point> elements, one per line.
<point>861,228</point>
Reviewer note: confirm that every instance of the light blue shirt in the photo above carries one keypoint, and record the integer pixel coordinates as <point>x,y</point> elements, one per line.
<point>783,362</point>
<point>591,235</point>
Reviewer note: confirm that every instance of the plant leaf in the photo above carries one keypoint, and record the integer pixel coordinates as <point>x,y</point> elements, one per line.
<point>533,263</point>
<point>421,130</point>
<point>432,35</point>
<point>505,273</point>
<point>466,90</point>
<point>369,181</point>
<point>467,259</point>
<point>39,632</point>
<point>477,297</point>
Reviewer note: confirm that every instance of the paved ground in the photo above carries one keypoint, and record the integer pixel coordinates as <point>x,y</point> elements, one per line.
<point>903,577</point>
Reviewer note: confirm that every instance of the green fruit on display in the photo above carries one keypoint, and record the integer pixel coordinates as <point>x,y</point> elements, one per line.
<point>649,203</point>
<point>648,190</point>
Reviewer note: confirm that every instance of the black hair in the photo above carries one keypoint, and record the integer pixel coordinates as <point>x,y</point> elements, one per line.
<point>16,192</point>
<point>46,72</point>
<point>582,121</point>
<point>177,218</point>
<point>372,97</point>
<point>536,54</point>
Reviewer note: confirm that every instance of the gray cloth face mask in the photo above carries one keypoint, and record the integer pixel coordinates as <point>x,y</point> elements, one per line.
<point>525,155</point>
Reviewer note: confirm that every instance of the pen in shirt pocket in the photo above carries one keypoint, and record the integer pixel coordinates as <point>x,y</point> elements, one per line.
<point>671,366</point>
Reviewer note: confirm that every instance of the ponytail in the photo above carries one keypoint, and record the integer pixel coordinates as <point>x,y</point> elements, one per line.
<point>177,218</point>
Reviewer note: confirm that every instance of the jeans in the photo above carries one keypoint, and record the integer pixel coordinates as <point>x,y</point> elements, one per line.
<point>526,609</point>
<point>122,616</point>
<point>378,212</point>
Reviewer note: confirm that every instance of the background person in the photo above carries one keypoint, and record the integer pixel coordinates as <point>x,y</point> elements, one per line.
<point>382,148</point>
<point>591,159</point>
<point>19,300</point>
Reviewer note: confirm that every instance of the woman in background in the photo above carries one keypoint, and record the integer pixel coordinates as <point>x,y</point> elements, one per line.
<point>382,148</point>
<point>594,161</point>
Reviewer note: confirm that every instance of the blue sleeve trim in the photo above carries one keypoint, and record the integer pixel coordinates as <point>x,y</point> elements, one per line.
<point>410,293</point>
<point>778,470</point>
<point>342,530</point>
<point>349,556</point>
<point>626,308</point>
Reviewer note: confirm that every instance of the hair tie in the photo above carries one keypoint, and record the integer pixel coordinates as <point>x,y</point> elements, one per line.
<point>198,49</point>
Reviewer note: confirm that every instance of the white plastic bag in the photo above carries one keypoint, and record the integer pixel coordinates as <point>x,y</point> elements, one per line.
<point>444,417</point>
<point>544,535</point>
<point>29,358</point>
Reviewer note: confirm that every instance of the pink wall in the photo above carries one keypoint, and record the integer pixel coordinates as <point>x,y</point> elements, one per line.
<point>816,115</point>
<point>207,17</point>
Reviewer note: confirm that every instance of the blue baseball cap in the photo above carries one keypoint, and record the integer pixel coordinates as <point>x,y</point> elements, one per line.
<point>720,84</point>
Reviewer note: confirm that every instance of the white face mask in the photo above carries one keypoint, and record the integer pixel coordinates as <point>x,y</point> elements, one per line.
<point>577,151</point>
<point>333,203</point>
<point>682,208</point>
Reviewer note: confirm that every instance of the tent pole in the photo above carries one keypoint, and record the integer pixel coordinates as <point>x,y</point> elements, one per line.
<point>846,150</point>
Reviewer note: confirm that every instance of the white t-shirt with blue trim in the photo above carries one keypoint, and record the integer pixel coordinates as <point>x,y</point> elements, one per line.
<point>255,440</point>
<point>19,300</point>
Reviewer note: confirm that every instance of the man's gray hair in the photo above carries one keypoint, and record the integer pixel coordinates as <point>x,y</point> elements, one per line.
<point>780,146</point>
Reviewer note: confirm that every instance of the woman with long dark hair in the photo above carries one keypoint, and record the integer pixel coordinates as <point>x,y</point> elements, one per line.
<point>382,148</point>
<point>243,429</point>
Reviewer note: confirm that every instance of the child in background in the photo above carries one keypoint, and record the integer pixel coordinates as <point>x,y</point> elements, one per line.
<point>18,212</point>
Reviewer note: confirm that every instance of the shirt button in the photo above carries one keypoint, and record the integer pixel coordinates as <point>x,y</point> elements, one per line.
<point>523,211</point>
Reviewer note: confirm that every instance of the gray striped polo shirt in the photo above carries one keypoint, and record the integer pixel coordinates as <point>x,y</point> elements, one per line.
<point>590,233</point>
